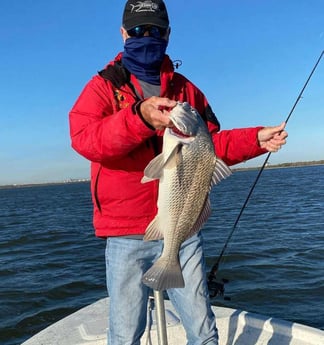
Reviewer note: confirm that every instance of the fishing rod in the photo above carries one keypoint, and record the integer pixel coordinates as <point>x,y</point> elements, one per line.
<point>217,288</point>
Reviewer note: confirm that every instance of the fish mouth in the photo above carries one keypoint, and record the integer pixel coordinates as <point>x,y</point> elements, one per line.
<point>177,132</point>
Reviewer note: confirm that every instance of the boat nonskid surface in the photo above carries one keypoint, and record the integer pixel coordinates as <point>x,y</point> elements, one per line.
<point>88,326</point>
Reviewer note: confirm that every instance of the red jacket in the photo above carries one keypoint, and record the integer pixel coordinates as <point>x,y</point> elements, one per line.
<point>105,129</point>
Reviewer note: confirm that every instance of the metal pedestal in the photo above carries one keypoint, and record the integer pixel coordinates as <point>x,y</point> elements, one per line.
<point>160,318</point>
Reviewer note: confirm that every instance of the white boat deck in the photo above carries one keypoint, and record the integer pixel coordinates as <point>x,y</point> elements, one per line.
<point>88,326</point>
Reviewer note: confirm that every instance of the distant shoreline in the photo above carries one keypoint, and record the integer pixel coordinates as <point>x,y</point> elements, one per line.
<point>269,166</point>
<point>284,165</point>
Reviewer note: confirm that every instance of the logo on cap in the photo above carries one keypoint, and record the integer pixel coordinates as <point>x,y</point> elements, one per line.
<point>144,6</point>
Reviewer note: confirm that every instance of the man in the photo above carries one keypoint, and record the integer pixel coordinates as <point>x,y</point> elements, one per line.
<point>117,123</point>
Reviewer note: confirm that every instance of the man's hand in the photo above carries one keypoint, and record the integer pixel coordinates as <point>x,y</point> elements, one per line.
<point>153,111</point>
<point>272,138</point>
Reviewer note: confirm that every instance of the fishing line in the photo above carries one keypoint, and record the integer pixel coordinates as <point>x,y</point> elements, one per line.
<point>216,288</point>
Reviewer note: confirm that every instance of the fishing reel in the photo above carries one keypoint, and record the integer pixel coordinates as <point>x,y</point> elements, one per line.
<point>217,288</point>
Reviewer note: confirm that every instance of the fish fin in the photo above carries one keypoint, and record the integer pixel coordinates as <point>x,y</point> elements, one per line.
<point>203,217</point>
<point>221,171</point>
<point>164,274</point>
<point>154,170</point>
<point>153,231</point>
<point>174,157</point>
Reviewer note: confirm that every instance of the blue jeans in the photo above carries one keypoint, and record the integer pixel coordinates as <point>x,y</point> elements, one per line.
<point>126,262</point>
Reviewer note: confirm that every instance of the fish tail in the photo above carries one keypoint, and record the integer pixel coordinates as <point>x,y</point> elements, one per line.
<point>163,275</point>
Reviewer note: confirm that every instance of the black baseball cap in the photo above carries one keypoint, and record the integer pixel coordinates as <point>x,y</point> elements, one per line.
<point>152,12</point>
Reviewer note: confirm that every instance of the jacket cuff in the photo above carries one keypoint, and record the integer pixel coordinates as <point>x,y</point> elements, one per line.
<point>136,109</point>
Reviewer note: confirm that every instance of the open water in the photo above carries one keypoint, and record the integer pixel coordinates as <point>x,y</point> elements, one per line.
<point>52,265</point>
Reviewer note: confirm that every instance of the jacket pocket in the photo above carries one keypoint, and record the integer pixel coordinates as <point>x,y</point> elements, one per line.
<point>95,190</point>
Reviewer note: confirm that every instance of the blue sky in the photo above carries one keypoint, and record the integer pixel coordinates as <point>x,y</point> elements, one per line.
<point>250,57</point>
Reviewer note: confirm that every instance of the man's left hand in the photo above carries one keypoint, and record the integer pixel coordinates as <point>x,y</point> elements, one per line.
<point>272,138</point>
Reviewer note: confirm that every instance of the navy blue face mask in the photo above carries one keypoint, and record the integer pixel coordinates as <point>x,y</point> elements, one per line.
<point>143,57</point>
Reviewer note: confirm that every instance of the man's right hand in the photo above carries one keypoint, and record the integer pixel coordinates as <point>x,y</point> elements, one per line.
<point>154,111</point>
